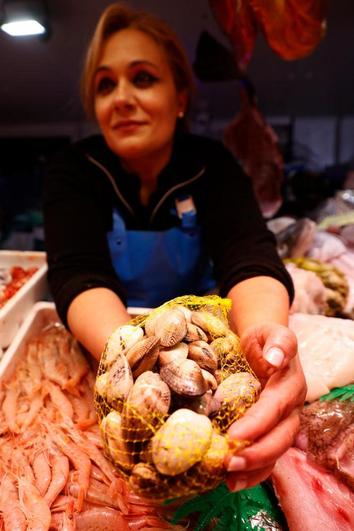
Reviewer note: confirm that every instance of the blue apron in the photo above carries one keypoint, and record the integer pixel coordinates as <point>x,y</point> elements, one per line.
<point>155,266</point>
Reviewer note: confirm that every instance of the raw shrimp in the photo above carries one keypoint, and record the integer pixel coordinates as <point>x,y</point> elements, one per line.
<point>99,495</point>
<point>101,519</point>
<point>42,472</point>
<point>51,364</point>
<point>13,517</point>
<point>60,474</point>
<point>9,407</point>
<point>36,509</point>
<point>78,458</point>
<point>59,399</point>
<point>78,366</point>
<point>35,407</point>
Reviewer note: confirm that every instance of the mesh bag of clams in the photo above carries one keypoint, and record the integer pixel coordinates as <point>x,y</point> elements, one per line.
<point>169,385</point>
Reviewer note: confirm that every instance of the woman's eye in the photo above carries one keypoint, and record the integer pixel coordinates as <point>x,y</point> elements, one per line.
<point>105,85</point>
<point>144,79</point>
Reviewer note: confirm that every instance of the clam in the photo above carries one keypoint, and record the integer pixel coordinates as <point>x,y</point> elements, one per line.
<point>119,381</point>
<point>213,459</point>
<point>178,352</point>
<point>144,478</point>
<point>149,324</point>
<point>211,324</point>
<point>226,347</point>
<point>146,406</point>
<point>203,354</point>
<point>195,333</point>
<point>184,377</point>
<point>101,384</point>
<point>181,442</point>
<point>205,404</point>
<point>186,311</point>
<point>210,380</point>
<point>120,341</point>
<point>170,327</point>
<point>143,355</point>
<point>236,393</point>
<point>111,431</point>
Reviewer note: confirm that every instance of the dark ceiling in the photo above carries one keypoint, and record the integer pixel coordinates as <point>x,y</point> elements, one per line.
<point>39,80</point>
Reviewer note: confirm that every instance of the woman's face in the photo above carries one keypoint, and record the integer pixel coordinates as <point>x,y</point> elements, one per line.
<point>136,100</point>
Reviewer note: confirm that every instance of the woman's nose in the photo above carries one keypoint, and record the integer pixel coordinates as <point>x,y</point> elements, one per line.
<point>123,95</point>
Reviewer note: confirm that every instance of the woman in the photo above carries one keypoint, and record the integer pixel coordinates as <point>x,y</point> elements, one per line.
<point>135,217</point>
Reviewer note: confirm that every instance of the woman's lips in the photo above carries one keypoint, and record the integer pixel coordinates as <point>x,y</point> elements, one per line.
<point>128,124</point>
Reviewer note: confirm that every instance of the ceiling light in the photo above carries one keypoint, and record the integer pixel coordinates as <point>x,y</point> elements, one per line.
<point>21,18</point>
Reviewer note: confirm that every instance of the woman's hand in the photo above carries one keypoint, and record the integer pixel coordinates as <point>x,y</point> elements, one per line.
<point>272,422</point>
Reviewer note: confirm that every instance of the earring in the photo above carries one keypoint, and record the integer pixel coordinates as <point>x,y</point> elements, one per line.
<point>180,114</point>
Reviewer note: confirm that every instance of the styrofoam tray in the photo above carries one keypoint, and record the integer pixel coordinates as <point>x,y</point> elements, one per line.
<point>41,315</point>
<point>18,306</point>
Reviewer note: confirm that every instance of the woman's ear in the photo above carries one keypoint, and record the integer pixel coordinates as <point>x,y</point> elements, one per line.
<point>182,103</point>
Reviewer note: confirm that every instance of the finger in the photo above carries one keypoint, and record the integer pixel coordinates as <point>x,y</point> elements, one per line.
<point>280,346</point>
<point>236,482</point>
<point>268,449</point>
<point>284,391</point>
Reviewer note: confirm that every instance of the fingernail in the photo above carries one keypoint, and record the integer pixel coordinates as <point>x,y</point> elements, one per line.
<point>239,485</point>
<point>274,356</point>
<point>236,463</point>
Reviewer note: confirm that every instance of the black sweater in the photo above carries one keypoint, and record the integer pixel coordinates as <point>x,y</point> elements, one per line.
<point>86,181</point>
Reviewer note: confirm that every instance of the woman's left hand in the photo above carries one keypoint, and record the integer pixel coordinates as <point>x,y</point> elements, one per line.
<point>273,421</point>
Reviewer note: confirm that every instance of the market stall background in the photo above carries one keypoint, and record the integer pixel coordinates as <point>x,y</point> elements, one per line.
<point>309,102</point>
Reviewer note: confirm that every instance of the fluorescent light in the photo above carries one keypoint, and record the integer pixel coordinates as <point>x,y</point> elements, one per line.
<point>23,27</point>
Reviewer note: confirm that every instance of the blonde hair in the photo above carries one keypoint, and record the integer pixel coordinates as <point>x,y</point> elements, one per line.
<point>117,17</point>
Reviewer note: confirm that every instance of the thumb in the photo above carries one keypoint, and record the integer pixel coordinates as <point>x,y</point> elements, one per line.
<point>280,347</point>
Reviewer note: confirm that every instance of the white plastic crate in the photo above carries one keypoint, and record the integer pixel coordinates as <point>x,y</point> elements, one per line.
<point>17,307</point>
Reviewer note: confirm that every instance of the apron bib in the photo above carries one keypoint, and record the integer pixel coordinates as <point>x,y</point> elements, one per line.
<point>155,266</point>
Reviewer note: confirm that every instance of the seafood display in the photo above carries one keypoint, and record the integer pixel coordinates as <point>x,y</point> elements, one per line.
<point>11,280</point>
<point>169,385</point>
<point>53,472</point>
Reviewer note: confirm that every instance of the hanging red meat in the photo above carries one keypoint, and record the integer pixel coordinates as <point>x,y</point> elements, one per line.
<point>292,28</point>
<point>237,20</point>
<point>255,145</point>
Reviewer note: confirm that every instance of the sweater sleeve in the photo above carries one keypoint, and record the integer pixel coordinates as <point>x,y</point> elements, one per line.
<point>240,244</point>
<point>75,232</point>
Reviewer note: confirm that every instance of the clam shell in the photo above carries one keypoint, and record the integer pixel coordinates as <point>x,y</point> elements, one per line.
<point>236,393</point>
<point>145,408</point>
<point>241,386</point>
<point>150,323</point>
<point>213,459</point>
<point>181,442</point>
<point>143,355</point>
<point>186,311</point>
<point>226,346</point>
<point>178,352</point>
<point>144,477</point>
<point>203,354</point>
<point>120,341</point>
<point>101,384</point>
<point>195,333</point>
<point>115,447</point>
<point>211,324</point>
<point>120,380</point>
<point>204,405</point>
<point>210,380</point>
<point>170,327</point>
<point>184,377</point>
